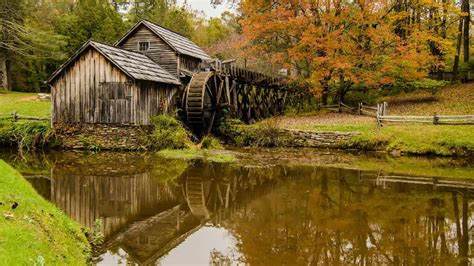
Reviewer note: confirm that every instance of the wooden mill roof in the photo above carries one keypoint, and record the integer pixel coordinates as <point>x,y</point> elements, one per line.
<point>135,65</point>
<point>138,65</point>
<point>176,41</point>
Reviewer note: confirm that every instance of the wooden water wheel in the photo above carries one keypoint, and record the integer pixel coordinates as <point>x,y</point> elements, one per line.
<point>203,100</point>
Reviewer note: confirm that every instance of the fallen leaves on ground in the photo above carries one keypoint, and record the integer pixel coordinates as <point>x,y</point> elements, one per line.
<point>323,119</point>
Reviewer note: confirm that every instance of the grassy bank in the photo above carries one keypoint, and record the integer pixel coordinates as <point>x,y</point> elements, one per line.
<point>26,135</point>
<point>220,156</point>
<point>35,232</point>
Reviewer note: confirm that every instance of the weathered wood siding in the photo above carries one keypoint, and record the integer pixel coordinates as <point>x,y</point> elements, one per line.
<point>151,99</point>
<point>189,63</point>
<point>93,90</point>
<point>158,51</point>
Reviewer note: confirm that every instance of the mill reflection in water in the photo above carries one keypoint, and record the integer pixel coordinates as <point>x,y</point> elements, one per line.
<point>155,210</point>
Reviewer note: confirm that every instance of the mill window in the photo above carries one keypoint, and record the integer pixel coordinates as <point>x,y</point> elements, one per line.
<point>143,46</point>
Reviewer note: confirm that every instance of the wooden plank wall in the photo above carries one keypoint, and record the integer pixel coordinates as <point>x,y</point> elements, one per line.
<point>158,51</point>
<point>77,92</point>
<point>152,99</point>
<point>189,63</point>
<point>93,90</point>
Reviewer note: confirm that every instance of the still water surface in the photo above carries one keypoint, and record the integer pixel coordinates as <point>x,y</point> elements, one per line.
<point>268,208</point>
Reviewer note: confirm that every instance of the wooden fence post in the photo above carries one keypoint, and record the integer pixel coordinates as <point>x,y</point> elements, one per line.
<point>360,109</point>
<point>385,109</point>
<point>339,107</point>
<point>435,119</point>
<point>378,115</point>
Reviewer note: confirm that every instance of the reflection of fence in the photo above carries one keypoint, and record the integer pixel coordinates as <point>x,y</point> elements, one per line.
<point>15,117</point>
<point>435,182</point>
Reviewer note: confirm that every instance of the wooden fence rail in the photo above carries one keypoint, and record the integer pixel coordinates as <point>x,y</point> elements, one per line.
<point>368,110</point>
<point>361,109</point>
<point>15,117</point>
<point>435,119</point>
<point>380,112</point>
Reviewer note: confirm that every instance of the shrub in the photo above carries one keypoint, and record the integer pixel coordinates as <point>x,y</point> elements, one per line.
<point>426,84</point>
<point>353,98</point>
<point>168,133</point>
<point>210,143</point>
<point>302,104</point>
<point>267,134</point>
<point>90,143</point>
<point>263,134</point>
<point>430,85</point>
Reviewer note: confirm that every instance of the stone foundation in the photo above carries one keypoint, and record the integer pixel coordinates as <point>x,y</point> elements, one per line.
<point>315,139</point>
<point>102,136</point>
<point>278,137</point>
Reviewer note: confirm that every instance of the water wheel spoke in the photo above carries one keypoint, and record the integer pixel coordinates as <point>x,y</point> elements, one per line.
<point>209,90</point>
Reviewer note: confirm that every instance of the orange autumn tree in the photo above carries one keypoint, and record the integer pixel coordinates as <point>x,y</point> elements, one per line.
<point>337,44</point>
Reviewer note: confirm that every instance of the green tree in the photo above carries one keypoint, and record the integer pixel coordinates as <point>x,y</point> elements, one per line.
<point>11,30</point>
<point>47,32</point>
<point>165,13</point>
<point>90,19</point>
<point>31,47</point>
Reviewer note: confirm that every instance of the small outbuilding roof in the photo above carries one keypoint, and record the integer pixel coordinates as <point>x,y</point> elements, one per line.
<point>176,41</point>
<point>135,65</point>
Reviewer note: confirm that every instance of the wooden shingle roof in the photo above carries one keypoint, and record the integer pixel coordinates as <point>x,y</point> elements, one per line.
<point>138,66</point>
<point>135,65</point>
<point>176,41</point>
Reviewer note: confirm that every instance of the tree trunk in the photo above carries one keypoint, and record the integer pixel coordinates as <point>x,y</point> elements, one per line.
<point>458,51</point>
<point>467,24</point>
<point>325,91</point>
<point>444,20</point>
<point>4,81</point>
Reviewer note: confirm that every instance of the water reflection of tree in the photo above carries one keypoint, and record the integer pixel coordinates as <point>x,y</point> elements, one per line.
<point>328,218</point>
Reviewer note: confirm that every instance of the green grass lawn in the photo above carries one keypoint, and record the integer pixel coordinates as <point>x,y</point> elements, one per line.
<point>35,232</point>
<point>24,104</point>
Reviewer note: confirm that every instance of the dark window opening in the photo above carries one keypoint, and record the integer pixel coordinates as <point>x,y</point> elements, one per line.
<point>143,46</point>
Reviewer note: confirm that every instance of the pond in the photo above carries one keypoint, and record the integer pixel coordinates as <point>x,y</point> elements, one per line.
<point>272,207</point>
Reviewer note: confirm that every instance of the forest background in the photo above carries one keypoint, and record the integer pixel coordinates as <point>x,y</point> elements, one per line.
<point>333,46</point>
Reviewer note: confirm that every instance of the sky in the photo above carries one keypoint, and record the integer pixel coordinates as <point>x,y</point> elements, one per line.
<point>206,7</point>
